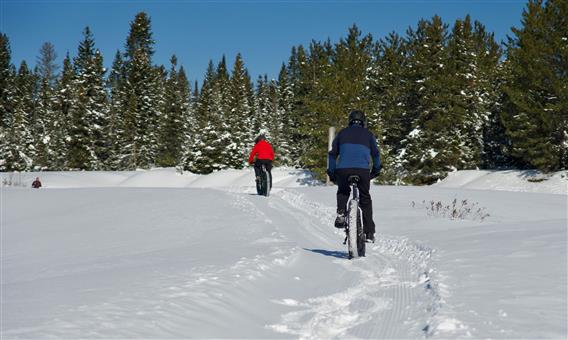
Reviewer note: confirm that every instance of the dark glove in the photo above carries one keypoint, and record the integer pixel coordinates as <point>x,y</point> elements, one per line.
<point>332,176</point>
<point>375,173</point>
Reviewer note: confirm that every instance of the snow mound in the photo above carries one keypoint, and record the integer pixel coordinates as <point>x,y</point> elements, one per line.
<point>509,180</point>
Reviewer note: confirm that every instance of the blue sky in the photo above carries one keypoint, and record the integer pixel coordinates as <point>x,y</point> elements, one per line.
<point>197,31</point>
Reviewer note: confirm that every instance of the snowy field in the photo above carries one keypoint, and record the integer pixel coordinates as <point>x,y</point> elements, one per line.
<point>156,254</point>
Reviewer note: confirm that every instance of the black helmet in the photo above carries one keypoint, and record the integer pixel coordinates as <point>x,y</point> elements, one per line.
<point>260,137</point>
<point>357,117</point>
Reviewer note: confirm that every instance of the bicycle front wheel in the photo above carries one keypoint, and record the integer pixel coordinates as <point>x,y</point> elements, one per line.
<point>352,229</point>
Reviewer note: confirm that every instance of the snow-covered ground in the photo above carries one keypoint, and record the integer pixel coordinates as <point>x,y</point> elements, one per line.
<point>156,254</point>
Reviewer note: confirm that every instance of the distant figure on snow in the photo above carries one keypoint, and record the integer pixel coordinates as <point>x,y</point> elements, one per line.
<point>36,184</point>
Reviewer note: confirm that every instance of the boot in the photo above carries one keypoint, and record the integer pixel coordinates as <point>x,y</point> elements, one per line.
<point>340,221</point>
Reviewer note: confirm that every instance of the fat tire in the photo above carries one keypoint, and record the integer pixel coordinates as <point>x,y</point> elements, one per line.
<point>352,229</point>
<point>360,234</point>
<point>267,183</point>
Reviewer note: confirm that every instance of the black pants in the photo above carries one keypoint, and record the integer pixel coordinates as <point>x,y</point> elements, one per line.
<point>344,191</point>
<point>258,168</point>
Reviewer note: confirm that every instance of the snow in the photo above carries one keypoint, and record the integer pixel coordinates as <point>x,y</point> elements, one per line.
<point>159,254</point>
<point>414,133</point>
<point>513,180</point>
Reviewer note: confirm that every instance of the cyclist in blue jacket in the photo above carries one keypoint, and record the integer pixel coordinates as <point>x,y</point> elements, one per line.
<point>355,146</point>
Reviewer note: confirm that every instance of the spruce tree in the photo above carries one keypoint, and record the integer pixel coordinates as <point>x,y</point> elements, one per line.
<point>143,96</point>
<point>312,98</point>
<point>46,63</point>
<point>87,148</point>
<point>204,152</point>
<point>240,119</point>
<point>65,104</point>
<point>173,119</point>
<point>44,123</point>
<point>7,97</point>
<point>20,150</point>
<point>536,101</point>
<point>430,149</point>
<point>387,84</point>
<point>287,147</point>
<point>115,133</point>
<point>297,76</point>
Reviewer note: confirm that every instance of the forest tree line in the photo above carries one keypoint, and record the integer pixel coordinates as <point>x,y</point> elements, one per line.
<point>439,98</point>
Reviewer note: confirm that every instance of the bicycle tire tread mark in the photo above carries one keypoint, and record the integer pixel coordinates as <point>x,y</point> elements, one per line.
<point>388,296</point>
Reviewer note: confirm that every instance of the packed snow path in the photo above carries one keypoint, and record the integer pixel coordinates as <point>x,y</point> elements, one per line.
<point>196,262</point>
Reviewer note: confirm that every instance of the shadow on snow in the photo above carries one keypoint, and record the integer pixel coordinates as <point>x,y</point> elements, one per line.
<point>332,253</point>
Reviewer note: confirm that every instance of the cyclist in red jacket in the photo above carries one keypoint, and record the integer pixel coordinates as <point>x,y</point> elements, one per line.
<point>264,155</point>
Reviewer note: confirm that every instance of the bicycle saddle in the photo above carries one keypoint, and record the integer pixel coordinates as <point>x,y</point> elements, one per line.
<point>353,179</point>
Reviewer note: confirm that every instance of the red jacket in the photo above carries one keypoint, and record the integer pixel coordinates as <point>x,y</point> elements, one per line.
<point>262,150</point>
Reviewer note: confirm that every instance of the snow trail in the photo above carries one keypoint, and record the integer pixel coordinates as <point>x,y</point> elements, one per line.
<point>384,288</point>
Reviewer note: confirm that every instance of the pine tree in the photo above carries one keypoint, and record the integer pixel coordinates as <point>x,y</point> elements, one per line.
<point>287,147</point>
<point>44,122</point>
<point>143,97</point>
<point>311,102</point>
<point>297,105</point>
<point>115,130</point>
<point>46,63</point>
<point>496,145</point>
<point>20,150</point>
<point>7,98</point>
<point>388,87</point>
<point>239,120</point>
<point>430,149</point>
<point>173,119</point>
<point>536,101</point>
<point>65,103</point>
<point>88,121</point>
<point>204,152</point>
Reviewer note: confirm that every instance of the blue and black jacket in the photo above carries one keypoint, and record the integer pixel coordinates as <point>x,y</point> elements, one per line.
<point>355,146</point>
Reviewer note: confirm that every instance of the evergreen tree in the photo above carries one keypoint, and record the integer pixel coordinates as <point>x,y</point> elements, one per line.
<point>430,149</point>
<point>388,87</point>
<point>46,63</point>
<point>143,96</point>
<point>240,119</point>
<point>65,104</point>
<point>496,144</point>
<point>536,101</point>
<point>311,96</point>
<point>173,119</point>
<point>204,152</point>
<point>44,120</point>
<point>116,132</point>
<point>20,150</point>
<point>287,146</point>
<point>7,98</point>
<point>261,120</point>
<point>300,89</point>
<point>87,148</point>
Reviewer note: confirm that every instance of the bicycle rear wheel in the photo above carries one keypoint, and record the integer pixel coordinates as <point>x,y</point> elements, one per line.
<point>263,187</point>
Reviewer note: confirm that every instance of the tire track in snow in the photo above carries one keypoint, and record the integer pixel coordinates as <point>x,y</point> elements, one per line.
<point>389,296</point>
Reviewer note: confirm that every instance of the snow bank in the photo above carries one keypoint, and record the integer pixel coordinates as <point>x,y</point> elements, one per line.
<point>156,178</point>
<point>510,180</point>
